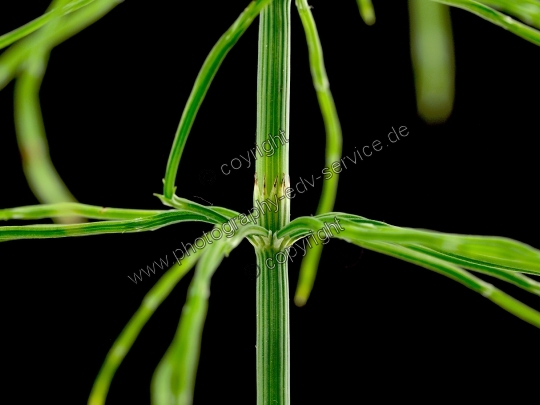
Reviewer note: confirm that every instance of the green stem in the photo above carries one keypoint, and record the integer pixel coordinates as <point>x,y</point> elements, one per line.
<point>21,32</point>
<point>131,331</point>
<point>432,55</point>
<point>271,180</point>
<point>366,11</point>
<point>273,95</point>
<point>526,10</point>
<point>202,84</point>
<point>12,58</point>
<point>149,223</point>
<point>273,370</point>
<point>497,18</point>
<point>310,263</point>
<point>71,209</point>
<point>42,176</point>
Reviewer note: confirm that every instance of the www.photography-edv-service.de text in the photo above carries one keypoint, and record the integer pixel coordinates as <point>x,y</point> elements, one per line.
<point>328,172</point>
<point>180,253</point>
<point>289,192</point>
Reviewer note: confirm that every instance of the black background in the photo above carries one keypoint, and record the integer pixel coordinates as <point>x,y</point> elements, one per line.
<point>374,327</point>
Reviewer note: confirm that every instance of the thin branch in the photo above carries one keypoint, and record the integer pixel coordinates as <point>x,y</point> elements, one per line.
<point>202,83</point>
<point>497,18</point>
<point>28,28</point>
<point>150,223</point>
<point>174,378</point>
<point>69,209</point>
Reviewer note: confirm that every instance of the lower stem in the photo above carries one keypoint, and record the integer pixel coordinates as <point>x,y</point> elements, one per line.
<point>273,375</point>
<point>271,181</point>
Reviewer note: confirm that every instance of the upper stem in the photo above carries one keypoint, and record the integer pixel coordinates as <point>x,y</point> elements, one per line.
<point>273,95</point>
<point>271,180</point>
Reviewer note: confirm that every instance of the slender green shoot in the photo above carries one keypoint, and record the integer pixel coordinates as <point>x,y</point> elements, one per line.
<point>445,253</point>
<point>499,251</point>
<point>217,215</point>
<point>497,18</point>
<point>191,206</point>
<point>200,88</point>
<point>366,11</point>
<point>432,54</point>
<point>149,223</point>
<point>487,290</point>
<point>21,32</point>
<point>448,254</point>
<point>527,11</point>
<point>120,348</point>
<point>510,276</point>
<point>42,177</point>
<point>174,378</point>
<point>502,253</point>
<point>74,209</point>
<point>12,59</point>
<point>308,270</point>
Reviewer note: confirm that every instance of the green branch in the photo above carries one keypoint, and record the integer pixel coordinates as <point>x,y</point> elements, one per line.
<point>150,223</point>
<point>202,83</point>
<point>497,18</point>
<point>191,206</point>
<point>527,11</point>
<point>488,249</point>
<point>174,378</point>
<point>502,258</point>
<point>432,55</point>
<point>502,273</point>
<point>334,139</point>
<point>487,290</point>
<point>42,177</point>
<point>366,11</point>
<point>14,56</point>
<point>21,32</point>
<point>131,331</point>
<point>70,209</point>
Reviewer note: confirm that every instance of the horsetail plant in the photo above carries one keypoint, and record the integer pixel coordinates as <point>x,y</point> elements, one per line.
<point>452,255</point>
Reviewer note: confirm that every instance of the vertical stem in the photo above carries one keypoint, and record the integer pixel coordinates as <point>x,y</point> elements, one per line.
<point>273,376</point>
<point>271,180</point>
<point>432,54</point>
<point>272,165</point>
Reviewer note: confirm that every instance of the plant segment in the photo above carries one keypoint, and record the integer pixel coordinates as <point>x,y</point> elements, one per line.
<point>28,60</point>
<point>202,83</point>
<point>526,10</point>
<point>308,270</point>
<point>271,180</point>
<point>448,254</point>
<point>432,48</point>
<point>432,54</point>
<point>366,11</point>
<point>44,180</point>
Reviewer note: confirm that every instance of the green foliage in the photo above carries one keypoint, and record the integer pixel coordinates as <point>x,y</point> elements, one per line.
<point>448,254</point>
<point>525,9</point>
<point>308,270</point>
<point>366,11</point>
<point>432,54</point>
